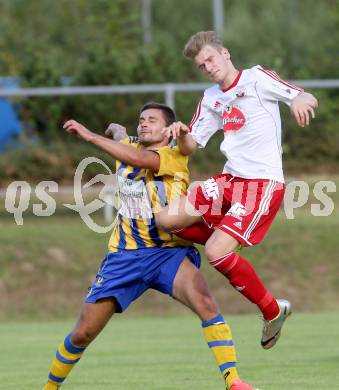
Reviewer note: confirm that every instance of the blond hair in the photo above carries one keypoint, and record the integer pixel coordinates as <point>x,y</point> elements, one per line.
<point>199,40</point>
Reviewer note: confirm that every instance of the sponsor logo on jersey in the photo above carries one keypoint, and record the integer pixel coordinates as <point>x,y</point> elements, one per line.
<point>233,119</point>
<point>217,105</point>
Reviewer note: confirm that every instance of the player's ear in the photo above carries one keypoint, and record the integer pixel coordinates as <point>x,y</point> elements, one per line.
<point>226,53</point>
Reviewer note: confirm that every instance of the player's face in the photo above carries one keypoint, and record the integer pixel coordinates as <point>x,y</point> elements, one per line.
<point>151,123</point>
<point>214,63</point>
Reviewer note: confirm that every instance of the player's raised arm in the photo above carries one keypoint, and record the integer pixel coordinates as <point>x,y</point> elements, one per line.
<point>122,152</point>
<point>181,133</point>
<point>116,132</point>
<point>302,106</point>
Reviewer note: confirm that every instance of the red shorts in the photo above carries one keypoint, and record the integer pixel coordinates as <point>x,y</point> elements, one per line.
<point>243,208</point>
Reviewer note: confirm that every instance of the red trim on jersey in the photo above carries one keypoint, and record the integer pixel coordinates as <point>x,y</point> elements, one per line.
<point>196,114</point>
<point>235,82</point>
<point>258,200</point>
<point>275,76</point>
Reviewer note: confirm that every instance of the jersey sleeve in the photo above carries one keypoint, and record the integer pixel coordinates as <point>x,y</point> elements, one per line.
<point>204,123</point>
<point>172,162</point>
<point>274,88</point>
<point>129,140</point>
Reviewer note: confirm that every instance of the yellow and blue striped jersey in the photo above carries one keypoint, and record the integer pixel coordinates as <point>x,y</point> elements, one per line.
<point>142,193</point>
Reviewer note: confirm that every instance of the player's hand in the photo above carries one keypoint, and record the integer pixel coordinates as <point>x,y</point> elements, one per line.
<point>176,130</point>
<point>78,129</point>
<point>302,108</point>
<point>116,131</point>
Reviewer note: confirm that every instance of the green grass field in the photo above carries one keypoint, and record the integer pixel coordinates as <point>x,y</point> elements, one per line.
<point>47,257</point>
<point>155,353</point>
<point>47,264</point>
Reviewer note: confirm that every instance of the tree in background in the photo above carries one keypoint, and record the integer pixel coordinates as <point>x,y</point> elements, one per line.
<point>83,42</point>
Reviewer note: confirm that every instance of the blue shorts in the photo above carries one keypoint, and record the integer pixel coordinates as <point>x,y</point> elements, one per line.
<point>127,274</point>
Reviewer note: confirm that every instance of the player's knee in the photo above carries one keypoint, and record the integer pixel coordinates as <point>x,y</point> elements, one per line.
<point>209,252</point>
<point>224,264</point>
<point>82,337</point>
<point>217,246</point>
<point>213,251</point>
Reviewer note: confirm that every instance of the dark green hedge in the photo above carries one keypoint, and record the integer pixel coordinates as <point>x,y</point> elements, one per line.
<point>100,43</point>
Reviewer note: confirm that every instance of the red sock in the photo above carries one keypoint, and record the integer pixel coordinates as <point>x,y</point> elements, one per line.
<point>198,233</point>
<point>244,279</point>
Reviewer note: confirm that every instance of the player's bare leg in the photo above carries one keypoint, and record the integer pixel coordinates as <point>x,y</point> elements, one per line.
<point>183,220</point>
<point>92,320</point>
<point>177,215</point>
<point>219,244</point>
<point>190,288</point>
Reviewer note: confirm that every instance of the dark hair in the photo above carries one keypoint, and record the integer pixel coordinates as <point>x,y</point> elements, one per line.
<point>168,113</point>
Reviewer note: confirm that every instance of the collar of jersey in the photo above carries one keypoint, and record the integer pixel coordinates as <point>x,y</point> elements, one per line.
<point>235,82</point>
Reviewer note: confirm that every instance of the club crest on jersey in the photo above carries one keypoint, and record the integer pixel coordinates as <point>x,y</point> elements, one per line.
<point>240,92</point>
<point>232,119</point>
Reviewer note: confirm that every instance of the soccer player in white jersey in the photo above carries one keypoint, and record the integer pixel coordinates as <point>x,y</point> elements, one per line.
<point>239,205</point>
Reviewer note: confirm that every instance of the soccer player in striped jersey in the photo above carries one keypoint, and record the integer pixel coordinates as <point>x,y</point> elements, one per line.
<point>150,173</point>
<point>240,204</point>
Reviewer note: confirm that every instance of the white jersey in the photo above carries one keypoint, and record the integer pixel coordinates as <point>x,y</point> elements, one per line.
<point>248,113</point>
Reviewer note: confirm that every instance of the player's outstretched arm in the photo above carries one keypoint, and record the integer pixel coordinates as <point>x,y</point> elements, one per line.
<point>181,133</point>
<point>302,107</point>
<point>125,153</point>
